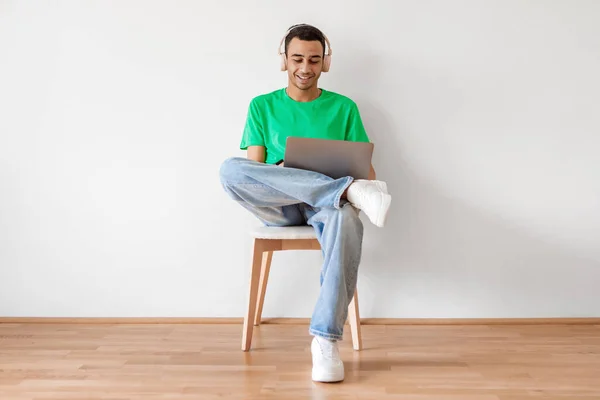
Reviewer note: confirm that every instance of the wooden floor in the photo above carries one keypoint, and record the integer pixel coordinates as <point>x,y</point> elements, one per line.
<point>69,361</point>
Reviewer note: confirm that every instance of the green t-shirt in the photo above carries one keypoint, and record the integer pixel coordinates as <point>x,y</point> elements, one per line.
<point>274,116</point>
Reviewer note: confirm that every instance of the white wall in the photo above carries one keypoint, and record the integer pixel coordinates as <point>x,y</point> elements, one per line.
<point>115,117</point>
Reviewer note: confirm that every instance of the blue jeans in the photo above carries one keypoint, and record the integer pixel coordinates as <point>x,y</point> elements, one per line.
<point>281,196</point>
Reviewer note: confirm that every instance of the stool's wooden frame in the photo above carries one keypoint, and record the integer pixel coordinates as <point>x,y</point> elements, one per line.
<point>259,276</point>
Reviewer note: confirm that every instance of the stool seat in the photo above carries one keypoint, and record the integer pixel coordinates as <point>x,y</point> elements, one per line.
<point>284,232</point>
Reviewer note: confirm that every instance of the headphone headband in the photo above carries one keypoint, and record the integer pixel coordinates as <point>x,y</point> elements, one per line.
<point>328,53</point>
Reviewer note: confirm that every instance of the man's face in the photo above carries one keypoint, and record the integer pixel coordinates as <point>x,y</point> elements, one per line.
<point>304,62</point>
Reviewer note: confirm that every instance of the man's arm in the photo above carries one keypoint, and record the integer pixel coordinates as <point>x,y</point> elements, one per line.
<point>355,132</point>
<point>372,174</point>
<point>253,138</point>
<point>256,153</point>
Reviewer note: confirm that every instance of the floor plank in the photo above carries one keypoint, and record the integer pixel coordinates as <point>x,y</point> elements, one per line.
<point>187,361</point>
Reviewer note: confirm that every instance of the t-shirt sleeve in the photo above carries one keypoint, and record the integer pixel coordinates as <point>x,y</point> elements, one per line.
<point>254,134</point>
<point>355,131</point>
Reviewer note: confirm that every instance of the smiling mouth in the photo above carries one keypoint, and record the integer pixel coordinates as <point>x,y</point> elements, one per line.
<point>303,78</point>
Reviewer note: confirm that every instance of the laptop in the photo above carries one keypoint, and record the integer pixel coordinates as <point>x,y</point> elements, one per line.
<point>334,158</point>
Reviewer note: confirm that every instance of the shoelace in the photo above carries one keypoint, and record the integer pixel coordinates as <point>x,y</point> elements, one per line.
<point>360,197</point>
<point>329,351</point>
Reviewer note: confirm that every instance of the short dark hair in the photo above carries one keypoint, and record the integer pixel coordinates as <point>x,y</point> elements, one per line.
<point>304,32</point>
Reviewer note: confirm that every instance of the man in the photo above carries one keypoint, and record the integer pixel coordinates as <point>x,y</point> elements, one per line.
<point>281,196</point>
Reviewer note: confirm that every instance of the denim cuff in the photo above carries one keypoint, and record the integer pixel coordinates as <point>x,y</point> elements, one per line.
<point>329,336</point>
<point>338,197</point>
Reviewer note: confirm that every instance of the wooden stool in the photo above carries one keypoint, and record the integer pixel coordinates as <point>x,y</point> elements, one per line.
<point>266,241</point>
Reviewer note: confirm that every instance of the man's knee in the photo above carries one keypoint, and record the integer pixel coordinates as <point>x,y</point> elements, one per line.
<point>231,169</point>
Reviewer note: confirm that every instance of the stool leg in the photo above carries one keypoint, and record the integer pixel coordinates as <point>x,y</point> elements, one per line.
<point>262,287</point>
<point>253,294</point>
<point>354,320</point>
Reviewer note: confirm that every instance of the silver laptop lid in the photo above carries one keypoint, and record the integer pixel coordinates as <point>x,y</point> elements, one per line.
<point>334,158</point>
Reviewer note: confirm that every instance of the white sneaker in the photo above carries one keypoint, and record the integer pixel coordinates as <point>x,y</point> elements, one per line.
<point>371,197</point>
<point>327,365</point>
<point>381,185</point>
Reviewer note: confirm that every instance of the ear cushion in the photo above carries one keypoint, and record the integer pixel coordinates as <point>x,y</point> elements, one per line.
<point>283,62</point>
<point>326,63</point>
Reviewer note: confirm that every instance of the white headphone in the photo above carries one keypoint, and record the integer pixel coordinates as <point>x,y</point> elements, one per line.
<point>326,59</point>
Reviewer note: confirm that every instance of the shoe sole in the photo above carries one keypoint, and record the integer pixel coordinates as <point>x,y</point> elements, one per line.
<point>386,200</point>
<point>327,378</point>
